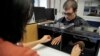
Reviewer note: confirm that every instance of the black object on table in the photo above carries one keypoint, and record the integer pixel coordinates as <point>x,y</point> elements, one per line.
<point>69,37</point>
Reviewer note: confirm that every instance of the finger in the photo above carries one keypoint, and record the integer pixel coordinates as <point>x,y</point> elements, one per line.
<point>53,42</point>
<point>58,42</point>
<point>75,47</point>
<point>48,37</point>
<point>48,40</point>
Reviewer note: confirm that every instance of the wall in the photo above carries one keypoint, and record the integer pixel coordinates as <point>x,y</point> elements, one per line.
<point>32,20</point>
<point>79,11</point>
<point>58,5</point>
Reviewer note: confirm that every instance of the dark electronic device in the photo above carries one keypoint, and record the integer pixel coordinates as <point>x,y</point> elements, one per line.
<point>42,14</point>
<point>39,13</point>
<point>50,13</point>
<point>87,34</point>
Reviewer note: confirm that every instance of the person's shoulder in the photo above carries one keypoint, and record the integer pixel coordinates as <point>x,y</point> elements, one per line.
<point>26,51</point>
<point>82,21</point>
<point>78,17</point>
<point>30,52</point>
<point>14,50</point>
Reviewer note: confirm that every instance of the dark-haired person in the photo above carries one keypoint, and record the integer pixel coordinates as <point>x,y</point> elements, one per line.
<point>14,17</point>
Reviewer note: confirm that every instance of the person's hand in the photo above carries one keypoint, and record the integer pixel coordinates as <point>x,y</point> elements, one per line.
<point>76,50</point>
<point>56,40</point>
<point>45,38</point>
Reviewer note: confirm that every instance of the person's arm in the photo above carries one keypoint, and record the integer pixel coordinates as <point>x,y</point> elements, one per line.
<point>44,39</point>
<point>31,44</point>
<point>57,39</point>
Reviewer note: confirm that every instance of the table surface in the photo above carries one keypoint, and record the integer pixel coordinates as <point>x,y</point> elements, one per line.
<point>48,51</point>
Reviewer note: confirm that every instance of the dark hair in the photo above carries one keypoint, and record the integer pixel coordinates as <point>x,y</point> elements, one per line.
<point>70,3</point>
<point>15,14</point>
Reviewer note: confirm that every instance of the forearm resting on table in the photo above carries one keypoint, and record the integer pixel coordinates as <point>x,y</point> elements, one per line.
<point>32,44</point>
<point>44,39</point>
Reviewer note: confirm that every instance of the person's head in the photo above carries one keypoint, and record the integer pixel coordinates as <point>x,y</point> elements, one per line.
<point>70,9</point>
<point>14,16</point>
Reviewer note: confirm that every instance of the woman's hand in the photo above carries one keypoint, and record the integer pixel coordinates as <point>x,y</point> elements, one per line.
<point>45,38</point>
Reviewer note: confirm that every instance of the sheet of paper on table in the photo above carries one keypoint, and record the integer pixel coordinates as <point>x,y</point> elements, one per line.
<point>47,51</point>
<point>99,52</point>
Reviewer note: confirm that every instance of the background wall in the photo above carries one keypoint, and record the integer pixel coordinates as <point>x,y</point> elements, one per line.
<point>58,5</point>
<point>80,10</point>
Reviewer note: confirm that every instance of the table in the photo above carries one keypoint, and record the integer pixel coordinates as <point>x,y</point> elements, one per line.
<point>99,52</point>
<point>47,51</point>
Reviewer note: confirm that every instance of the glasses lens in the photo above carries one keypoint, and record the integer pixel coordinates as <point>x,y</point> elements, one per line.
<point>67,13</point>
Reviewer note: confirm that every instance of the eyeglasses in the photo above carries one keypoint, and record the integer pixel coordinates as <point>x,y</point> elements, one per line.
<point>67,13</point>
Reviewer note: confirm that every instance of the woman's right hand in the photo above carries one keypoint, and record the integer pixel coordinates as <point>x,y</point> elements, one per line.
<point>45,39</point>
